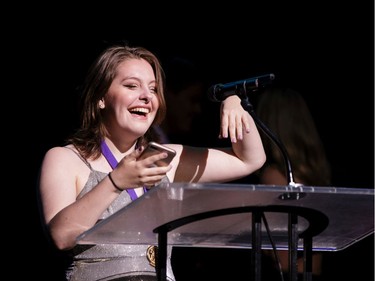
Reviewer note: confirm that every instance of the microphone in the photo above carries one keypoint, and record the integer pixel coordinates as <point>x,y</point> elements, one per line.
<point>220,92</point>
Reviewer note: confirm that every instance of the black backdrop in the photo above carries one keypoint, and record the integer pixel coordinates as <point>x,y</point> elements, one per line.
<point>325,52</point>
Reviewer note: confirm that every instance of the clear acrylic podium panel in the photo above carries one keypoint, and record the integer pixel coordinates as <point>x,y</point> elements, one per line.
<point>350,212</point>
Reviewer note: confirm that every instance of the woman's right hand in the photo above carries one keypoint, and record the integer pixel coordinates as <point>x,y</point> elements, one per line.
<point>133,172</point>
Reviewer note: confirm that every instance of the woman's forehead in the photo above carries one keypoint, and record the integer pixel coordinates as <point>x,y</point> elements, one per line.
<point>135,68</point>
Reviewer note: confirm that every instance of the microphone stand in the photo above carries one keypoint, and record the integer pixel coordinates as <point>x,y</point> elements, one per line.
<point>250,109</point>
<point>292,218</point>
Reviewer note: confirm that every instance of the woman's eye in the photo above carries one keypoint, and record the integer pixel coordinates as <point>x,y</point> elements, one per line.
<point>131,86</point>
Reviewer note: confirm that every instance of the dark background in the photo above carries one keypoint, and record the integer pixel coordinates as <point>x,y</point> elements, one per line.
<point>327,53</point>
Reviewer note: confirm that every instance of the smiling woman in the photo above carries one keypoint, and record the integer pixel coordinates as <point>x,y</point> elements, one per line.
<point>99,170</point>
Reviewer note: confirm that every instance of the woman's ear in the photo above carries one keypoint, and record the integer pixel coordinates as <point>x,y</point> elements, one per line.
<point>101,104</point>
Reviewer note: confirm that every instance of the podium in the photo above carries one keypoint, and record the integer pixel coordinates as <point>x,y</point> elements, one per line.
<point>303,218</point>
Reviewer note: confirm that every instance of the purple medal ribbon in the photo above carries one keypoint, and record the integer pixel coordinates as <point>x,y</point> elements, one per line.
<point>113,162</point>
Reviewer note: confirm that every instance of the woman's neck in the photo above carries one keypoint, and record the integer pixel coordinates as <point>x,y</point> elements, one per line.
<point>119,150</point>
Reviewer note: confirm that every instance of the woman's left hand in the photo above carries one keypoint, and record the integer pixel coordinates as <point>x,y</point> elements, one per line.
<point>235,120</point>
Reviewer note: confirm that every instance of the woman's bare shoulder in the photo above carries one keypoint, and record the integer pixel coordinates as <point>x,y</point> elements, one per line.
<point>61,154</point>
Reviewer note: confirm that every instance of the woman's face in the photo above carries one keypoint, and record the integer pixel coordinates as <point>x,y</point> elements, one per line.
<point>131,102</point>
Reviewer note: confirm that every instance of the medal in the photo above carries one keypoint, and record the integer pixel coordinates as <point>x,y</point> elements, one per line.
<point>151,254</point>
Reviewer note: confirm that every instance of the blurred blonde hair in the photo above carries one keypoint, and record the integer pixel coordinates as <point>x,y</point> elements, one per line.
<point>285,112</point>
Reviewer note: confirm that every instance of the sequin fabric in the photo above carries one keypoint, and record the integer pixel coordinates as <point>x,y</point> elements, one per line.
<point>115,262</point>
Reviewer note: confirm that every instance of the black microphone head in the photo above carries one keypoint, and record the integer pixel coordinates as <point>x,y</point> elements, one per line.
<point>220,92</point>
<point>213,92</point>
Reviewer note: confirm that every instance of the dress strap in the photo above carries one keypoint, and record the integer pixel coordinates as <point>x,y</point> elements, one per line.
<point>80,156</point>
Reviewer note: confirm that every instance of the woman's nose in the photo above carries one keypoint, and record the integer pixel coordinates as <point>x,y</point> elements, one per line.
<point>146,95</point>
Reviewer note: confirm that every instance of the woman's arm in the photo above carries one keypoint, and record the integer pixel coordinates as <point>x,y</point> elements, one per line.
<point>63,175</point>
<point>59,184</point>
<point>245,155</point>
